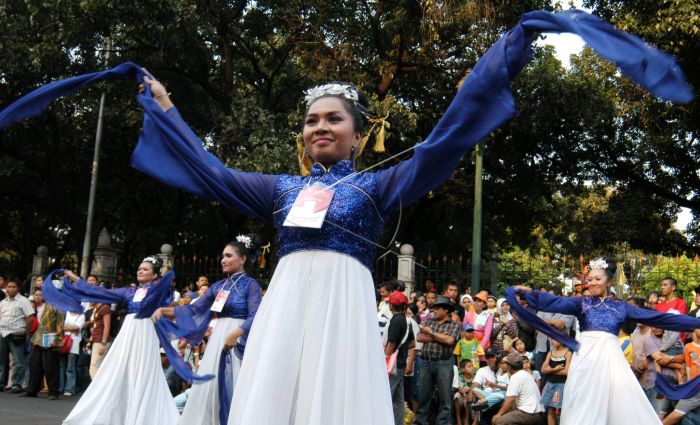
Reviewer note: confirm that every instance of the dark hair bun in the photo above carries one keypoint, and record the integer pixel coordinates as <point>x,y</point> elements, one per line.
<point>247,245</point>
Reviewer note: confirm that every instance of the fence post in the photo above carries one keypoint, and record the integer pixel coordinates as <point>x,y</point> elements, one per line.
<point>407,267</point>
<point>106,257</point>
<point>166,254</point>
<point>39,265</point>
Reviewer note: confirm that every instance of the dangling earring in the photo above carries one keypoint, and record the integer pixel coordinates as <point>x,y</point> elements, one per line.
<point>353,157</point>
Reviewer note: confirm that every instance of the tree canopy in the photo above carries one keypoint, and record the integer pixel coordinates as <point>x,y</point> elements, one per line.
<point>237,70</point>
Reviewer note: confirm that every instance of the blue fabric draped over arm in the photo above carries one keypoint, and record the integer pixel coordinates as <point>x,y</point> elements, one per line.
<point>485,100</point>
<point>682,391</point>
<point>192,320</point>
<point>656,319</point>
<point>567,306</point>
<point>179,365</point>
<point>254,299</point>
<point>60,299</point>
<point>159,295</point>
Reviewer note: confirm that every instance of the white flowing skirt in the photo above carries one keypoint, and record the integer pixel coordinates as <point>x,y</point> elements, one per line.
<point>202,406</point>
<point>601,388</point>
<point>130,387</point>
<point>314,355</point>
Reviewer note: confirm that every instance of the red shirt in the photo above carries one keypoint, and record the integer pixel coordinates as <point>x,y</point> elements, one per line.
<point>675,304</point>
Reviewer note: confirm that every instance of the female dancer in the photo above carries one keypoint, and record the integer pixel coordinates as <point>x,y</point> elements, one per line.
<point>600,386</point>
<point>129,387</point>
<point>235,301</point>
<point>334,371</point>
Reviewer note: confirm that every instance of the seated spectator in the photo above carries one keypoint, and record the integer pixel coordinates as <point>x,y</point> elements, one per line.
<point>692,361</point>
<point>522,393</point>
<point>529,367</point>
<point>462,391</point>
<point>485,377</point>
<point>492,393</point>
<point>625,340</point>
<point>519,347</point>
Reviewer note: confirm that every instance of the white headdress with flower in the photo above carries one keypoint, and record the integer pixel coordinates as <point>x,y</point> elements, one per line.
<point>343,90</point>
<point>245,240</point>
<point>598,264</point>
<point>151,259</point>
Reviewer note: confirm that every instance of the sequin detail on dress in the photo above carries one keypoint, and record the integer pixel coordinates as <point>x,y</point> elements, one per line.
<point>352,219</point>
<point>602,315</point>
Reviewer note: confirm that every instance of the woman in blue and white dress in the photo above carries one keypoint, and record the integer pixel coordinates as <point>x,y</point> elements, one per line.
<point>129,387</point>
<point>600,386</point>
<point>233,301</point>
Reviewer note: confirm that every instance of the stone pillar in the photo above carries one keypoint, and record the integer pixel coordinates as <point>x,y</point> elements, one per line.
<point>407,267</point>
<point>39,266</point>
<point>104,266</point>
<point>166,255</point>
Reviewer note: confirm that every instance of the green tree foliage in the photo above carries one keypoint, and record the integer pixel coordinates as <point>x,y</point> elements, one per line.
<point>237,70</point>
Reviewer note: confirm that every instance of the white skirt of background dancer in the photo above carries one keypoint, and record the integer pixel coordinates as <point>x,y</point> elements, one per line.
<point>314,355</point>
<point>130,387</point>
<point>202,406</point>
<point>601,388</point>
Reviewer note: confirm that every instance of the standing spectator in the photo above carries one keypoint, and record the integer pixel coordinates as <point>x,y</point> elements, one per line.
<point>652,349</point>
<point>452,293</point>
<point>399,339</point>
<point>45,356</point>
<point>482,320</point>
<point>16,316</point>
<point>411,373</point>
<point>652,300</point>
<point>100,339</point>
<point>2,287</point>
<point>438,336</point>
<point>202,280</point>
<point>461,385</point>
<point>505,328</point>
<point>72,325</point>
<point>468,347</point>
<point>671,301</point>
<point>384,309</point>
<point>556,367</point>
<point>696,301</point>
<point>522,393</point>
<point>561,322</point>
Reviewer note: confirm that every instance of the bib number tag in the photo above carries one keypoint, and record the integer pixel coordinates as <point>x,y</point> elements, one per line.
<point>310,207</point>
<point>140,294</point>
<point>219,301</point>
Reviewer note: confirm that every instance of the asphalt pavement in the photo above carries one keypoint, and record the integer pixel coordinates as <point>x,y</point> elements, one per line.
<point>16,410</point>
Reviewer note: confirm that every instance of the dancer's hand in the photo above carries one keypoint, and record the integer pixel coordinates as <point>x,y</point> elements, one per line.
<point>71,276</point>
<point>232,338</point>
<point>159,92</point>
<point>157,314</point>
<point>522,288</point>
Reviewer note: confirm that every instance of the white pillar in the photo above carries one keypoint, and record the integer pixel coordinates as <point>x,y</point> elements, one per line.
<point>407,267</point>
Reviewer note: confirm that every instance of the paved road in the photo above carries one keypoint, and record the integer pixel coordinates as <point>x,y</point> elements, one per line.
<point>34,411</point>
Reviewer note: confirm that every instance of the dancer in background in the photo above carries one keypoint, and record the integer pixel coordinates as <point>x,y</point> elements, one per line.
<point>234,302</point>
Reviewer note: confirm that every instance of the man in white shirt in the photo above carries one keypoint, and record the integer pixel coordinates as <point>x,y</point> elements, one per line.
<point>16,316</point>
<point>522,404</point>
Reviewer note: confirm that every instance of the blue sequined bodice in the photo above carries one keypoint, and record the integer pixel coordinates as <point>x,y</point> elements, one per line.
<point>601,315</point>
<point>353,218</point>
<point>236,305</point>
<point>131,306</point>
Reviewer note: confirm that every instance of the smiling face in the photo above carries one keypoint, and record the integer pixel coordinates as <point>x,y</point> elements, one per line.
<point>231,261</point>
<point>598,283</point>
<point>329,131</point>
<point>145,273</point>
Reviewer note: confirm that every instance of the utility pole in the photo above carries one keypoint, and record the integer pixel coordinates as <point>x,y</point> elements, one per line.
<point>85,264</point>
<point>476,227</point>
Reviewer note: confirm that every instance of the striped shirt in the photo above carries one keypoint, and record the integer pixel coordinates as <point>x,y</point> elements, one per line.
<point>13,315</point>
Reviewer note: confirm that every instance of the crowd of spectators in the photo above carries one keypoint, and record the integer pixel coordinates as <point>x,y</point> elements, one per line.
<point>473,361</point>
<point>453,357</point>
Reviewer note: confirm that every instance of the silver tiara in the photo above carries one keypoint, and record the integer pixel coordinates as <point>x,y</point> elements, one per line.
<point>245,240</point>
<point>598,264</point>
<point>151,259</point>
<point>343,90</point>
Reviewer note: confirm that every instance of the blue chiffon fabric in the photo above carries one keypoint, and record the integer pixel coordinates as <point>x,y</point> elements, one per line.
<point>605,315</point>
<point>159,295</point>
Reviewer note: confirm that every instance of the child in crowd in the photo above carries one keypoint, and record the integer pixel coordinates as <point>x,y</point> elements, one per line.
<point>493,393</point>
<point>461,385</point>
<point>492,304</point>
<point>519,347</point>
<point>625,339</point>
<point>529,367</point>
<point>468,348</point>
<point>692,355</point>
<point>556,367</point>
